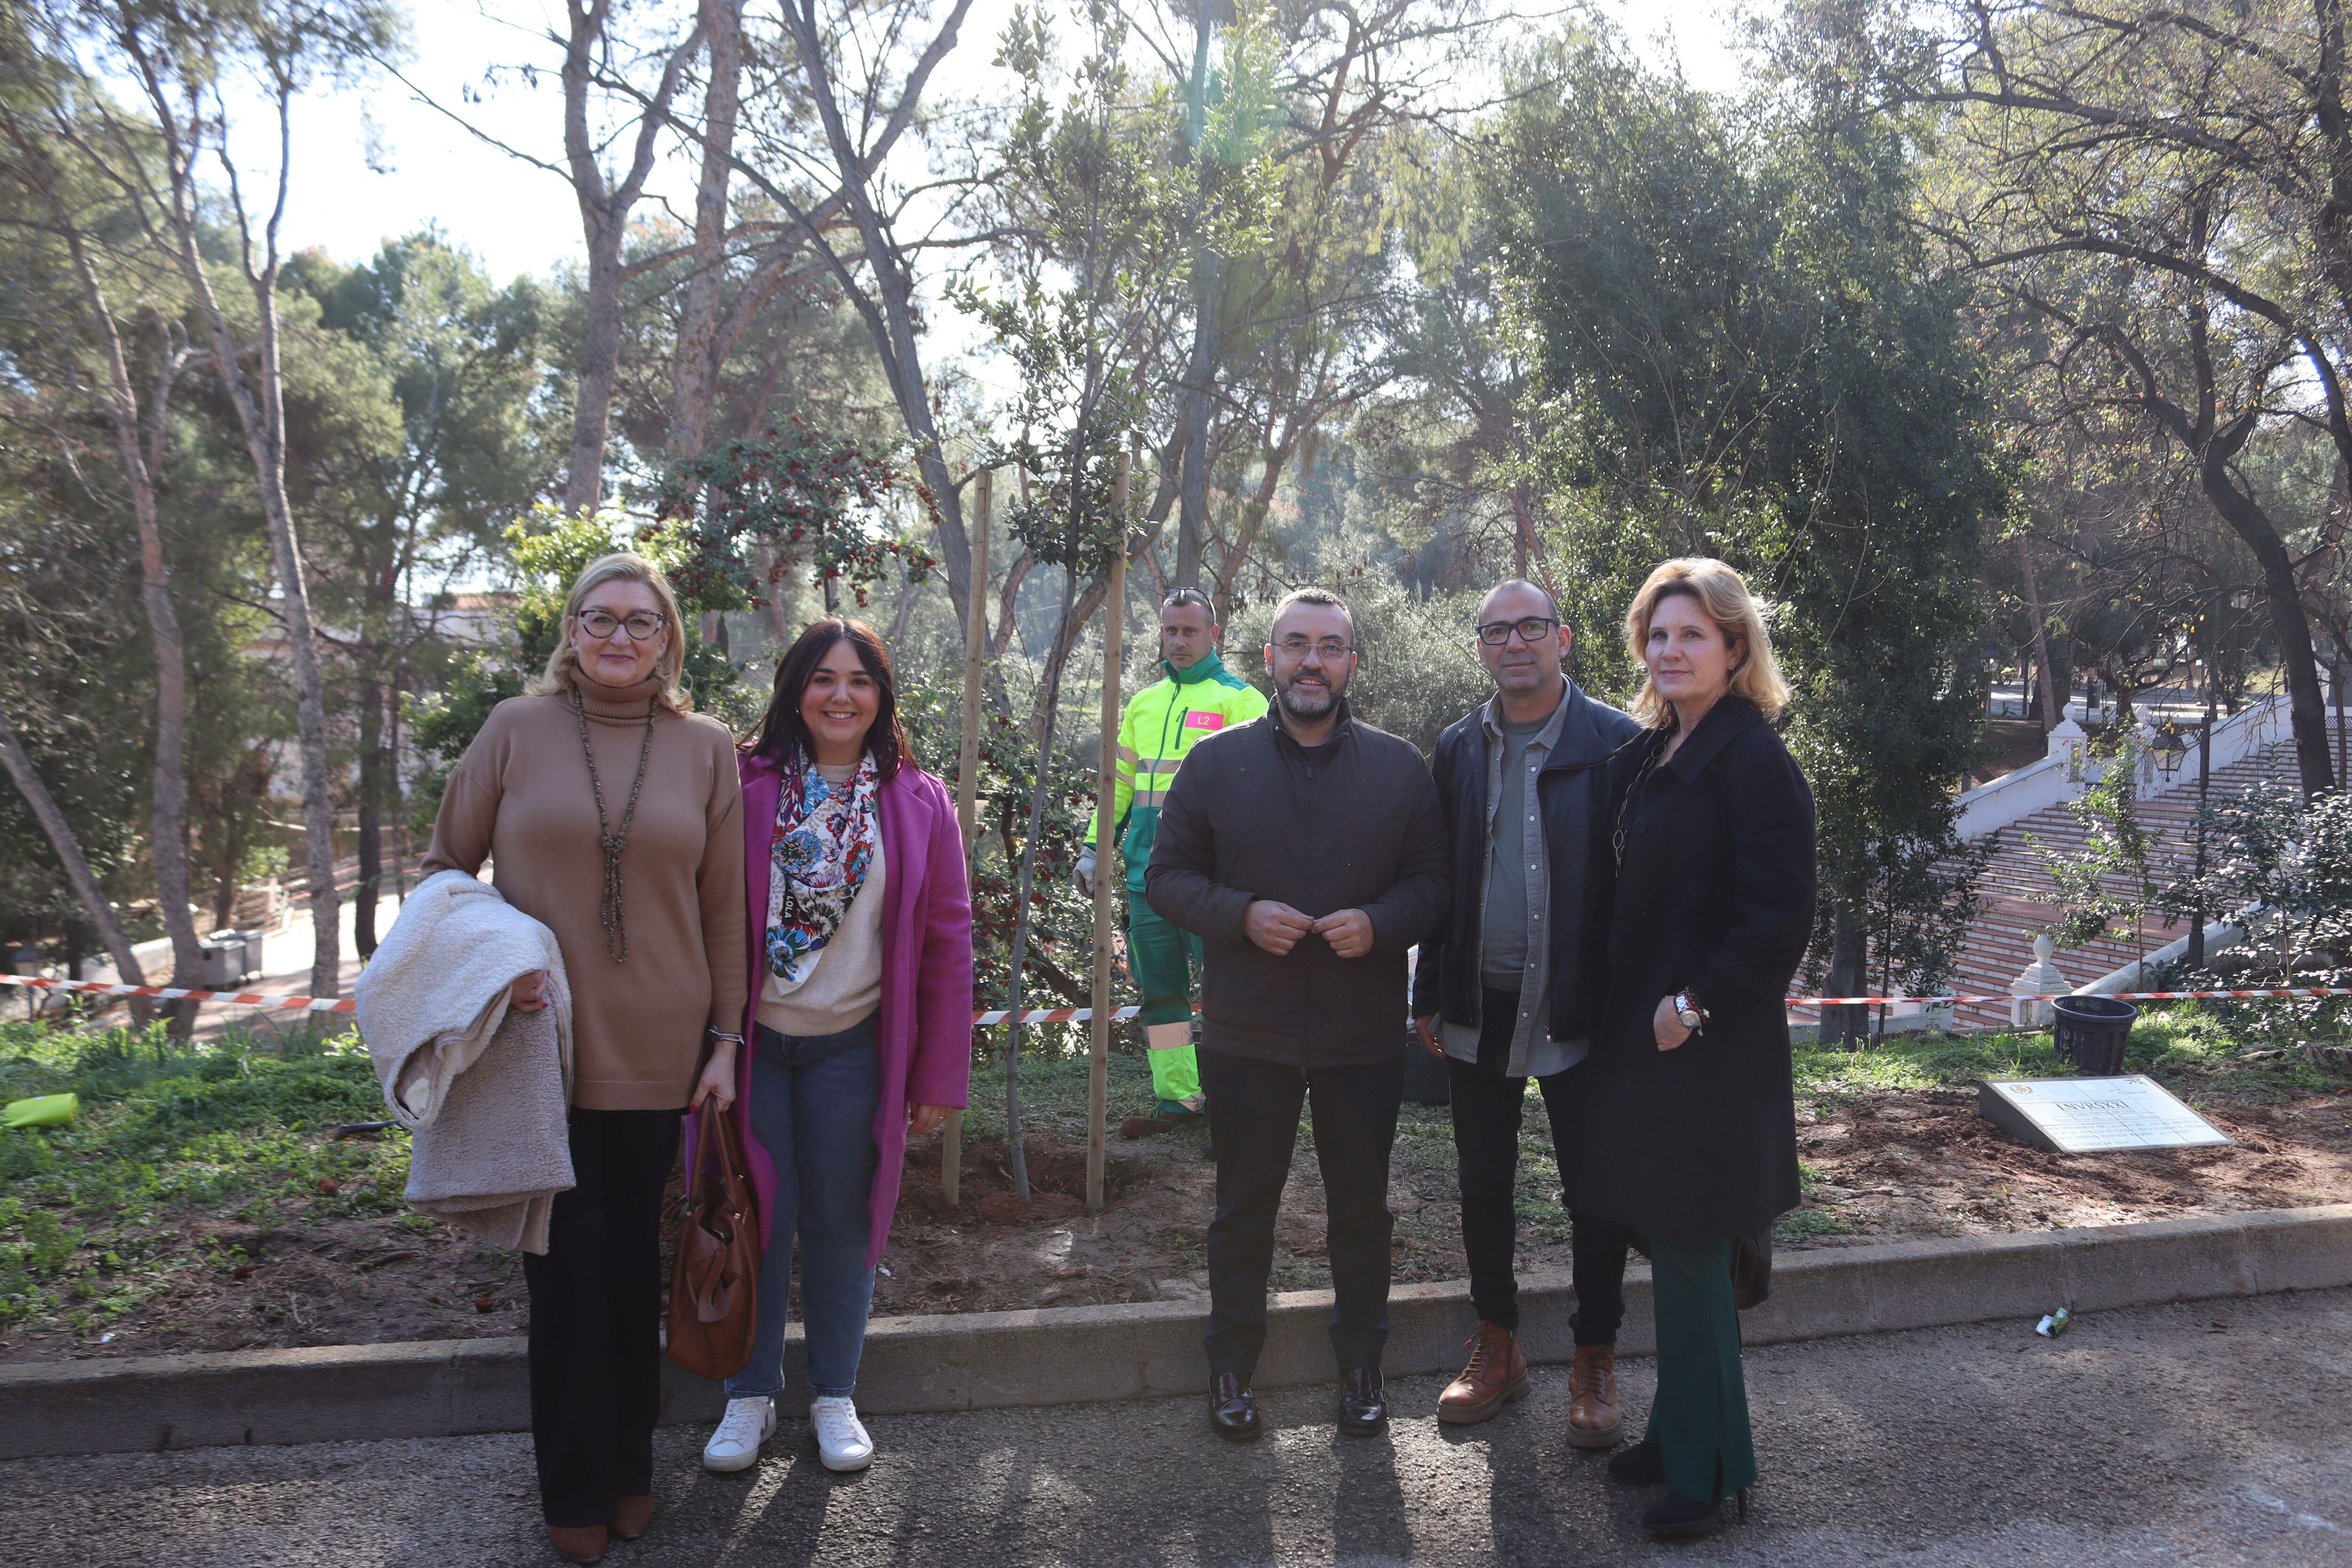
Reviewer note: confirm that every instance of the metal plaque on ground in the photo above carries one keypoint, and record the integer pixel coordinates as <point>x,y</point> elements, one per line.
<point>2093,1115</point>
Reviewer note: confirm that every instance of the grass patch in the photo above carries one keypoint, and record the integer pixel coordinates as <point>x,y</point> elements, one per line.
<point>1055,1072</point>
<point>94,1221</point>
<point>2186,1047</point>
<point>1804,1225</point>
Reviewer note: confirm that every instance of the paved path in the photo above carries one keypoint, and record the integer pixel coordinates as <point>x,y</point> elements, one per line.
<point>2208,1436</point>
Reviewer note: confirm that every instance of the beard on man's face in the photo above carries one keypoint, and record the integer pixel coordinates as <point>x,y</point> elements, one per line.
<point>1314,700</point>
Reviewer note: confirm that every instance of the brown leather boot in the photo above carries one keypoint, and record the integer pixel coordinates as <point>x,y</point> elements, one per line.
<point>631,1515</point>
<point>1593,1418</point>
<point>580,1542</point>
<point>1498,1374</point>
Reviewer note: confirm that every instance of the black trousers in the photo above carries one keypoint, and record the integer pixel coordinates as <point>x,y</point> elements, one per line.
<point>595,1317</point>
<point>1253,1121</point>
<point>1486,1107</point>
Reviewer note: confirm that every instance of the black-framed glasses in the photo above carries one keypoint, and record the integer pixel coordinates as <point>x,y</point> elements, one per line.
<point>1177,598</point>
<point>642,627</point>
<point>1495,634</point>
<point>1331,649</point>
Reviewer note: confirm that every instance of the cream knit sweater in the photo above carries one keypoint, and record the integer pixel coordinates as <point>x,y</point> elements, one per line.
<point>520,799</point>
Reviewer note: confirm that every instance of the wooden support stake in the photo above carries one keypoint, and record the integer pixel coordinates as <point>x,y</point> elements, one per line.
<point>975,657</point>
<point>1106,782</point>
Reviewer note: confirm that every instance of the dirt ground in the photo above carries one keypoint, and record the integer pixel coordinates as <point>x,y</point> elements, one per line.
<point>1878,1166</point>
<point>1926,1163</point>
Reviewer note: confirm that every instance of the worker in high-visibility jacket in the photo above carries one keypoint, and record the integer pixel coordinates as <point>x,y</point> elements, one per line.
<point>1198,696</point>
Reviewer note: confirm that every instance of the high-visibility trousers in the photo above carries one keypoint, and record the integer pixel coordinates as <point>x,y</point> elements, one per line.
<point>1164,960</point>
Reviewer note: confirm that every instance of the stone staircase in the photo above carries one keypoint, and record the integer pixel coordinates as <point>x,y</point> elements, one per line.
<point>2017,898</point>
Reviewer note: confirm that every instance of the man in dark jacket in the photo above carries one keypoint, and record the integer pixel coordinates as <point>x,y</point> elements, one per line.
<point>1306,850</point>
<point>1510,987</point>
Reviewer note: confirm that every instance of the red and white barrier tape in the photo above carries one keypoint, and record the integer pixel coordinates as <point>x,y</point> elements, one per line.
<point>175,994</point>
<point>1086,1015</point>
<point>345,1004</point>
<point>2056,995</point>
<point>1050,1015</point>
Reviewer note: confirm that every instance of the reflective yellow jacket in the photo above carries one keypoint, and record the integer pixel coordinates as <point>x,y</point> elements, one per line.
<point>1163,721</point>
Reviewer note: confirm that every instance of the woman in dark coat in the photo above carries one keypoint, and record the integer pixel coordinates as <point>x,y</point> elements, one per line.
<point>1691,1132</point>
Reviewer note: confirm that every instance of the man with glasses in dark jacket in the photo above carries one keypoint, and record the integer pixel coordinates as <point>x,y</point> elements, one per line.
<point>1505,990</point>
<point>1308,853</point>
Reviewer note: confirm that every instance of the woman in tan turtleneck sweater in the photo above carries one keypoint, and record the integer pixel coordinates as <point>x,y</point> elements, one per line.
<point>604,750</point>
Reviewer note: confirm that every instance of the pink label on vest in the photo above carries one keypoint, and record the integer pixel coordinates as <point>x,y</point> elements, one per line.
<point>1204,720</point>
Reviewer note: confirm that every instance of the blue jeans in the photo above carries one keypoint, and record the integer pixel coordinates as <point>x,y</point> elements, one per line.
<point>813,1102</point>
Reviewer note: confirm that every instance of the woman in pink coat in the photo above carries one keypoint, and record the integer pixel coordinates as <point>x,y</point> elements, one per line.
<point>860,1013</point>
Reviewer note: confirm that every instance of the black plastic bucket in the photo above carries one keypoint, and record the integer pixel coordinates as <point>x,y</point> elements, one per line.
<point>2092,1032</point>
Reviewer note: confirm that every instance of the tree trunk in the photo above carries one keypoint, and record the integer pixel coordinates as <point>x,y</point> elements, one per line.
<point>374,763</point>
<point>600,363</point>
<point>259,403</point>
<point>1199,372</point>
<point>2040,637</point>
<point>1026,880</point>
<point>140,449</point>
<point>68,851</point>
<point>169,788</point>
<point>1849,976</point>
<point>891,318</point>
<point>603,223</point>
<point>772,606</point>
<point>2306,706</point>
<point>695,377</point>
<point>1522,529</point>
<point>1193,474</point>
<point>1254,510</point>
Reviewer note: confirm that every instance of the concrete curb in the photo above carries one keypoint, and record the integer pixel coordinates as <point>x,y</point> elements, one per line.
<point>1066,1354</point>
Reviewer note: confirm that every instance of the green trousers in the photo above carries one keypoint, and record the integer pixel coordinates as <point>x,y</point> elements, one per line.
<point>1699,1418</point>
<point>1163,959</point>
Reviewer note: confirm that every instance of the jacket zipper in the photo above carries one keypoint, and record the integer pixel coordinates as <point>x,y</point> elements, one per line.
<point>1308,765</point>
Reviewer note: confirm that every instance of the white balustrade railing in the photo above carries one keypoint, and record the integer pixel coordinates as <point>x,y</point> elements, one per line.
<point>2068,769</point>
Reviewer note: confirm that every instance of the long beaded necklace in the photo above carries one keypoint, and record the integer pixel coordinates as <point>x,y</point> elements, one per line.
<point>608,912</point>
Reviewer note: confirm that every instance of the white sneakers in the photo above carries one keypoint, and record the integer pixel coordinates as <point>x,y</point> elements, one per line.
<point>841,1438</point>
<point>736,1444</point>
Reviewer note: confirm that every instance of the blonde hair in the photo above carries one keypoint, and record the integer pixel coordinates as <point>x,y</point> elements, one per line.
<point>1722,594</point>
<point>623,567</point>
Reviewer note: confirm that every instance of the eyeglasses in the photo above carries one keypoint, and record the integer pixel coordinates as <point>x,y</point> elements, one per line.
<point>1331,648</point>
<point>642,627</point>
<point>1532,629</point>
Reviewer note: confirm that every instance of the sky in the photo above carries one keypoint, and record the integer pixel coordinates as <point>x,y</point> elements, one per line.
<point>379,162</point>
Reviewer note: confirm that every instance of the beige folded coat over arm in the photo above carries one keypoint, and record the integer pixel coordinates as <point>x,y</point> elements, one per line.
<point>482,1087</point>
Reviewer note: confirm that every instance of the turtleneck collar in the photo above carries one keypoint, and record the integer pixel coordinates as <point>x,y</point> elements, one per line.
<point>1210,667</point>
<point>615,704</point>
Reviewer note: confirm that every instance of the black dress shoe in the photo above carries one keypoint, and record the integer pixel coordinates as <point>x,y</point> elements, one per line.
<point>1363,1404</point>
<point>1678,1515</point>
<point>1232,1408</point>
<point>1642,1465</point>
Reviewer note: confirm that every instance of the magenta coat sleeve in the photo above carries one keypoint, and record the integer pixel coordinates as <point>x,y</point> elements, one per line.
<point>941,1071</point>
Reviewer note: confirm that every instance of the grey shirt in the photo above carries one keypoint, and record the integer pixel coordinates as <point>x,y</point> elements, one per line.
<point>1513,951</point>
<point>1503,926</point>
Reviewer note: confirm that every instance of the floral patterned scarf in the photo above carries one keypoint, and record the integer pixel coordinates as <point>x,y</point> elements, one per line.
<point>824,848</point>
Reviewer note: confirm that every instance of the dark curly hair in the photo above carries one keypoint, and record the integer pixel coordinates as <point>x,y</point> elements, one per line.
<point>782,729</point>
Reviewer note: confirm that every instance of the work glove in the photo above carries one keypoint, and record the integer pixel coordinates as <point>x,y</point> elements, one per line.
<point>1082,874</point>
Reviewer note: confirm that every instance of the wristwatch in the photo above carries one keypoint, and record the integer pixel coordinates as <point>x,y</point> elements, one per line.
<point>1688,1013</point>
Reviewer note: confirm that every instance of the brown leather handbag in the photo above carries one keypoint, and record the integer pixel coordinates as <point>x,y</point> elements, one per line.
<point>714,1288</point>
